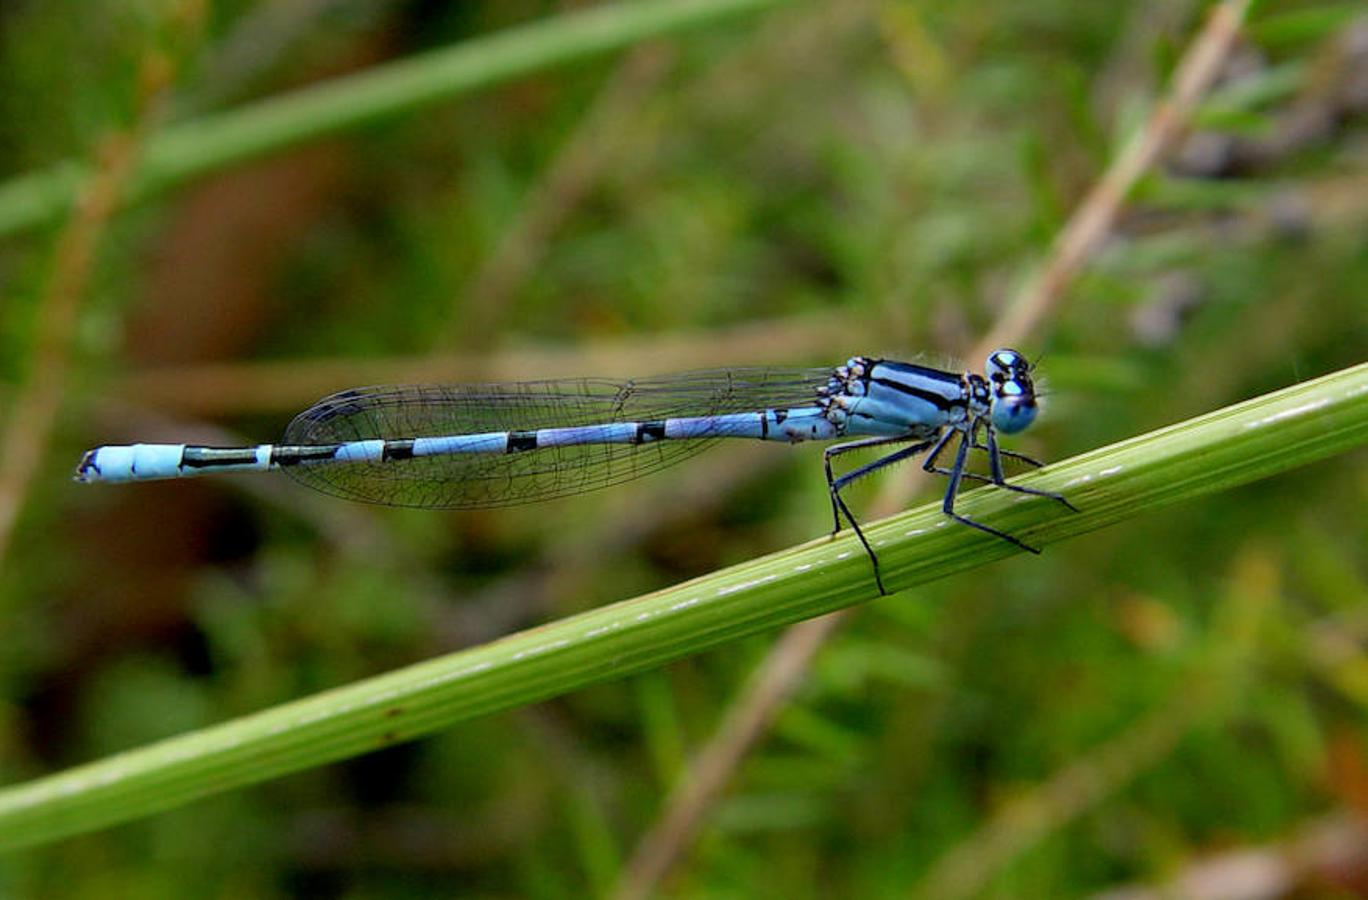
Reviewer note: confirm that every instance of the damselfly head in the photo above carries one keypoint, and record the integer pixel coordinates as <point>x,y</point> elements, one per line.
<point>1014,404</point>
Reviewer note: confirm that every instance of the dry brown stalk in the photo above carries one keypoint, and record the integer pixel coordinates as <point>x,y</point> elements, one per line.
<point>787,663</point>
<point>39,395</point>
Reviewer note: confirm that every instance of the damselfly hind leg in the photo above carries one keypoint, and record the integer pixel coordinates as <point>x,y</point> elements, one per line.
<point>836,450</point>
<point>834,486</point>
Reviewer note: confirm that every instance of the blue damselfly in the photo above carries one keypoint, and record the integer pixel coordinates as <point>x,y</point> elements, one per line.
<point>484,445</point>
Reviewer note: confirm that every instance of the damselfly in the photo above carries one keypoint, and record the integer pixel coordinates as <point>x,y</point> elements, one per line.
<point>483,445</point>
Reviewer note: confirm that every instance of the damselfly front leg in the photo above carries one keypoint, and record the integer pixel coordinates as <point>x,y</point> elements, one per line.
<point>956,473</point>
<point>995,466</point>
<point>1021,457</point>
<point>998,478</point>
<point>1010,454</point>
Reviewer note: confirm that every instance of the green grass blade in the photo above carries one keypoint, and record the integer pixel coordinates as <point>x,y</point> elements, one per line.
<point>195,148</point>
<point>1232,446</point>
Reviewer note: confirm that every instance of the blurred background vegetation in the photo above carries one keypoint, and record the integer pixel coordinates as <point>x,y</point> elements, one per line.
<point>790,187</point>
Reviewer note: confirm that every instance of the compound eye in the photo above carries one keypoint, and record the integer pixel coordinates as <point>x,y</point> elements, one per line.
<point>1005,362</point>
<point>1013,413</point>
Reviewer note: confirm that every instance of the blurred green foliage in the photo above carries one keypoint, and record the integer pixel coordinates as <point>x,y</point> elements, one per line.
<point>871,177</point>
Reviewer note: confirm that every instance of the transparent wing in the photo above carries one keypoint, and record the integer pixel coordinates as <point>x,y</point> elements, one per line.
<point>471,480</point>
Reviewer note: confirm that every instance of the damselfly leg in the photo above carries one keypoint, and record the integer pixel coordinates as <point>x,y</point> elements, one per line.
<point>995,465</point>
<point>834,485</point>
<point>957,473</point>
<point>1010,454</point>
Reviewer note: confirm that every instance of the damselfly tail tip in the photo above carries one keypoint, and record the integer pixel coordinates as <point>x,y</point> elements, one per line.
<point>87,471</point>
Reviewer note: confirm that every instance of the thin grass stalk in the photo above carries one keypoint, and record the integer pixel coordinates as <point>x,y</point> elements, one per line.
<point>196,148</point>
